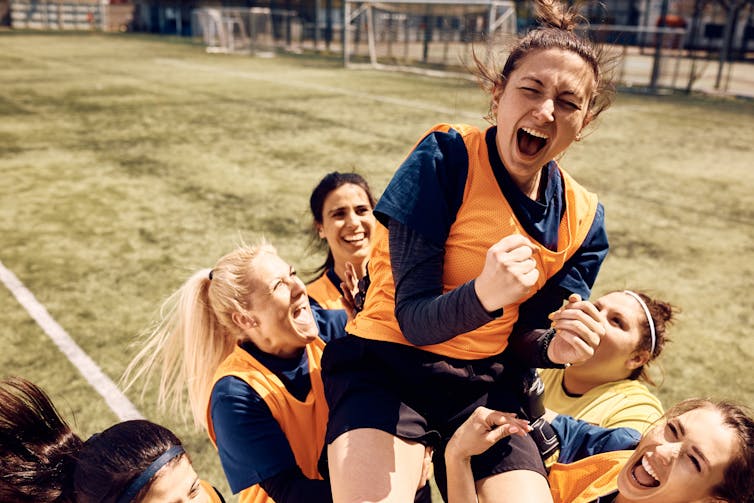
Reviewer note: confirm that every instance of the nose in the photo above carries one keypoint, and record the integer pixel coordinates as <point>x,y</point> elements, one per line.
<point>297,287</point>
<point>668,452</point>
<point>544,111</point>
<point>351,218</point>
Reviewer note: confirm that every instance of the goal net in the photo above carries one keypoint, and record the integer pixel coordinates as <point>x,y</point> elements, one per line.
<point>227,29</point>
<point>422,35</point>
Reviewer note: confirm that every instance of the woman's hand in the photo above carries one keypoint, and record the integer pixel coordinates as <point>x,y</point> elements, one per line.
<point>482,430</point>
<point>509,272</point>
<point>350,288</point>
<point>578,331</point>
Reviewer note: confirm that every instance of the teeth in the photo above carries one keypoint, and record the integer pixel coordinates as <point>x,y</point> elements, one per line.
<point>535,133</point>
<point>357,237</point>
<point>649,470</point>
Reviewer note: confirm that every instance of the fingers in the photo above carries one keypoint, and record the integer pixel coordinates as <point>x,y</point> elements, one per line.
<point>577,348</point>
<point>512,242</point>
<point>581,315</point>
<point>509,273</point>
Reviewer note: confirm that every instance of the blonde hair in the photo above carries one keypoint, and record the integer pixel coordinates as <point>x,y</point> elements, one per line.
<point>195,332</point>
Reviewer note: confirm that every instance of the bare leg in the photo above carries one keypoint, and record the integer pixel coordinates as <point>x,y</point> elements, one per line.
<point>514,486</point>
<point>369,465</point>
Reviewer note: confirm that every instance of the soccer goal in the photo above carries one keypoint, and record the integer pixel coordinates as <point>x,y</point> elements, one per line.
<point>425,36</point>
<point>231,30</point>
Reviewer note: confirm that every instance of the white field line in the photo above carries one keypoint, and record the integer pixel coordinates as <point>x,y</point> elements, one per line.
<point>417,105</point>
<point>116,400</point>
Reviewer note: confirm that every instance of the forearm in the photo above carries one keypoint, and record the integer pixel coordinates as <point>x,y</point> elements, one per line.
<point>460,485</point>
<point>424,313</point>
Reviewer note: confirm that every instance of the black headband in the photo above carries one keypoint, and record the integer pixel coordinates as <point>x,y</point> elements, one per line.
<point>145,476</point>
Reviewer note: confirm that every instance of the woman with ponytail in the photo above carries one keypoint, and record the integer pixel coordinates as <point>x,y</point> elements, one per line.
<point>43,461</point>
<point>480,235</point>
<point>244,340</point>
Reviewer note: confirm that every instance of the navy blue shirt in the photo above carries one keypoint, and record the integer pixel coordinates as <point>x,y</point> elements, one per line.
<point>424,196</point>
<point>579,439</point>
<point>334,279</point>
<point>250,442</point>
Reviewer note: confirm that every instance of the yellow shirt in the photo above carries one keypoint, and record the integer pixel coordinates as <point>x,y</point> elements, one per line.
<point>624,403</point>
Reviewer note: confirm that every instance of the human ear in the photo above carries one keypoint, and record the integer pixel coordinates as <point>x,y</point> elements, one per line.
<point>244,321</point>
<point>320,230</point>
<point>497,93</point>
<point>637,359</point>
<point>588,118</point>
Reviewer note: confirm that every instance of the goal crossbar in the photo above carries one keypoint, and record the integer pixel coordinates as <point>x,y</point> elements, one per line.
<point>426,33</point>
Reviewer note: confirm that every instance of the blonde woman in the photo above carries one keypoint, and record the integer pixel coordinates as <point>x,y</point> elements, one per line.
<point>244,341</point>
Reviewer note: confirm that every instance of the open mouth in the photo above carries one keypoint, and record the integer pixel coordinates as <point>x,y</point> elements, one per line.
<point>643,474</point>
<point>302,315</point>
<point>356,238</point>
<point>530,142</point>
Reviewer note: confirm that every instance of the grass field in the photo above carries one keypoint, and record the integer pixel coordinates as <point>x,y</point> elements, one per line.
<point>128,162</point>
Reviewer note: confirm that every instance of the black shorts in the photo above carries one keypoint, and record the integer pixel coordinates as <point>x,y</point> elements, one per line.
<point>423,397</point>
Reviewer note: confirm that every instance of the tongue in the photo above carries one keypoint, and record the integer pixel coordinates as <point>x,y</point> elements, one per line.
<point>643,477</point>
<point>528,144</point>
<point>302,316</point>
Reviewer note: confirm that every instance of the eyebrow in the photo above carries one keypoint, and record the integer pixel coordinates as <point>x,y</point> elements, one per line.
<point>537,81</point>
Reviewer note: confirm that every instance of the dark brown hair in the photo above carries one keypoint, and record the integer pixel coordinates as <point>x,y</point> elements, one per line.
<point>556,30</point>
<point>43,461</point>
<point>663,314</point>
<point>37,447</point>
<point>330,182</point>
<point>109,461</point>
<point>738,484</point>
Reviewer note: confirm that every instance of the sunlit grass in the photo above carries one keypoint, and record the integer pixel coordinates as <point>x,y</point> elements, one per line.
<point>129,162</point>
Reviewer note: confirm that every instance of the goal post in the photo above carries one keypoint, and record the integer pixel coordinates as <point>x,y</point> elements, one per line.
<point>235,29</point>
<point>421,35</point>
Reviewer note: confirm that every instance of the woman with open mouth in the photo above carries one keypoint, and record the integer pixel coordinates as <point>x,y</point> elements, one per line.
<point>343,224</point>
<point>244,340</point>
<point>481,234</point>
<point>701,451</point>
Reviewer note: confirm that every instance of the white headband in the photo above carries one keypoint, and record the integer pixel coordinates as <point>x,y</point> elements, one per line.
<point>652,334</point>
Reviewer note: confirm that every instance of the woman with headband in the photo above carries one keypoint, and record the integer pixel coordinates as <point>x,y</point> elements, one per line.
<point>42,460</point>
<point>609,388</point>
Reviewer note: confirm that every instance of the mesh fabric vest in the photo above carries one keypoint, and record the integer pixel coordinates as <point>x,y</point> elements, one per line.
<point>587,479</point>
<point>303,423</point>
<point>484,218</point>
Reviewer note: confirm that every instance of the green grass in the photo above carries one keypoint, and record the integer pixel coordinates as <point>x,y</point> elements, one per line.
<point>129,162</point>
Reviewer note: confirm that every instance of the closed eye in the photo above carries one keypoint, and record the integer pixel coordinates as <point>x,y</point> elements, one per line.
<point>569,104</point>
<point>673,430</point>
<point>697,464</point>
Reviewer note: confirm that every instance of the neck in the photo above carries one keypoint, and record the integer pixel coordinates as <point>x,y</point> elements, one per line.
<point>575,385</point>
<point>529,185</point>
<point>583,378</point>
